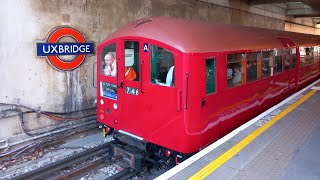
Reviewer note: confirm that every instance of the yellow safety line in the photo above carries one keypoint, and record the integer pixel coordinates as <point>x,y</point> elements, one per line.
<point>204,172</point>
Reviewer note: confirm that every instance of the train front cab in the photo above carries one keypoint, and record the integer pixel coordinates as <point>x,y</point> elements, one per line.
<point>149,107</point>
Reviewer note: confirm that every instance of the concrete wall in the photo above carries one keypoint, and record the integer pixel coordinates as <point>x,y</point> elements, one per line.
<point>304,25</point>
<point>31,81</point>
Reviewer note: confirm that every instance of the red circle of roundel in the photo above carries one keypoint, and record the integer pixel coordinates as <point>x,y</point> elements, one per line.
<point>54,37</point>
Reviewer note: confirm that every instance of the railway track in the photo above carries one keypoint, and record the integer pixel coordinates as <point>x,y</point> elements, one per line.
<point>53,170</point>
<point>88,163</point>
<point>124,174</point>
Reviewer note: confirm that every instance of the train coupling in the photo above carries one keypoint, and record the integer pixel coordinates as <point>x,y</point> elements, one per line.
<point>106,130</point>
<point>127,156</point>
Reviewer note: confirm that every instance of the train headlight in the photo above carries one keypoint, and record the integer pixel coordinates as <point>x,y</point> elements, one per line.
<point>115,106</point>
<point>101,101</point>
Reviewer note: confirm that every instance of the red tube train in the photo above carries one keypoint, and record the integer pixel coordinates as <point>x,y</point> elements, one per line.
<point>179,85</point>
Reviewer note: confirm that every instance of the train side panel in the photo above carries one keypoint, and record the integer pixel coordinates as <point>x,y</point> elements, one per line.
<point>307,74</point>
<point>229,108</point>
<point>202,110</point>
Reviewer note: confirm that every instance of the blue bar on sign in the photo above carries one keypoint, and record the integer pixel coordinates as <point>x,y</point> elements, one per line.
<point>48,49</point>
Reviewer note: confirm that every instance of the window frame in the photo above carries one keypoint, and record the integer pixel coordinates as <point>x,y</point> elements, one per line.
<point>163,84</point>
<point>137,64</point>
<point>103,54</point>
<point>285,59</point>
<point>270,63</point>
<point>258,66</point>
<point>242,63</point>
<point>214,59</point>
<point>275,72</point>
<point>293,56</point>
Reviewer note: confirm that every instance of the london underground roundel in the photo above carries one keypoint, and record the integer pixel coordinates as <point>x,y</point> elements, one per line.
<point>52,48</point>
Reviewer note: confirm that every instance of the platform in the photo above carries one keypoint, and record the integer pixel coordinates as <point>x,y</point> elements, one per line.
<point>282,143</point>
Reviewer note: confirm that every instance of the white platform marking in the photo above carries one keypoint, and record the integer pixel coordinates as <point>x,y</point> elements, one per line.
<point>316,88</point>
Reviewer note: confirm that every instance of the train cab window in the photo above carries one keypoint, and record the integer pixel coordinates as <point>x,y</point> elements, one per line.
<point>287,59</point>
<point>131,62</point>
<point>210,75</point>
<point>236,69</point>
<point>108,62</point>
<point>162,66</point>
<point>294,57</point>
<point>252,66</point>
<point>267,64</point>
<point>277,61</point>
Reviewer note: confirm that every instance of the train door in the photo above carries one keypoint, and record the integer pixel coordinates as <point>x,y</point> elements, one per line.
<point>129,87</point>
<point>210,101</point>
<point>203,100</point>
<point>161,87</point>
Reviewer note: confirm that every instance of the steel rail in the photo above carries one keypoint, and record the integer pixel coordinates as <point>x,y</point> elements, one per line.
<point>124,174</point>
<point>83,170</point>
<point>43,172</point>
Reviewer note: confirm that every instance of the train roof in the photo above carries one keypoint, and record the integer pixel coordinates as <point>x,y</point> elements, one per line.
<point>192,36</point>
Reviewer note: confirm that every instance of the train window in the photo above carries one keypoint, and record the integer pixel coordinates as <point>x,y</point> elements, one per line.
<point>162,66</point>
<point>108,65</point>
<point>306,55</point>
<point>210,75</point>
<point>252,66</point>
<point>236,69</point>
<point>267,63</point>
<point>131,62</point>
<point>302,51</point>
<point>277,61</point>
<point>294,57</point>
<point>318,47</point>
<point>287,59</point>
<point>310,55</point>
<point>316,53</point>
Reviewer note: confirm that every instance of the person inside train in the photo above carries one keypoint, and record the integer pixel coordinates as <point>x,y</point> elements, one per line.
<point>252,70</point>
<point>229,75</point>
<point>265,69</point>
<point>130,74</point>
<point>170,77</point>
<point>111,65</point>
<point>236,75</point>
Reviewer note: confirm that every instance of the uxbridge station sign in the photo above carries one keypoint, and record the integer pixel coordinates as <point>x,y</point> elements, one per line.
<point>52,48</point>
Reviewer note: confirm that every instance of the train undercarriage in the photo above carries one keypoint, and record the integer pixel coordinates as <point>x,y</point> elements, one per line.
<point>130,152</point>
